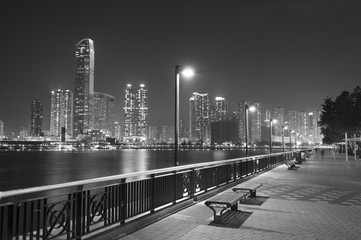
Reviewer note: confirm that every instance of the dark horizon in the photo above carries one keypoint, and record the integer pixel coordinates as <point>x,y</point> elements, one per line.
<point>279,53</point>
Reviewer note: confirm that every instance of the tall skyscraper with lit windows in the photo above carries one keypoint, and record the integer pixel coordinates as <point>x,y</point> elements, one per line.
<point>135,114</point>
<point>279,116</point>
<point>1,129</point>
<point>141,111</point>
<point>241,117</point>
<point>199,117</point>
<point>84,87</point>
<point>255,123</point>
<point>104,113</point>
<point>220,105</point>
<point>292,120</point>
<point>36,118</point>
<point>61,113</point>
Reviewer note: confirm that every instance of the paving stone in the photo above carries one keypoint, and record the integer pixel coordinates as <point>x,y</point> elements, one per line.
<point>321,200</point>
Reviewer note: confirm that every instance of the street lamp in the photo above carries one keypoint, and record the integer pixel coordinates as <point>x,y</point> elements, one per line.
<point>283,137</point>
<point>291,139</point>
<point>270,133</point>
<point>246,109</point>
<point>186,72</point>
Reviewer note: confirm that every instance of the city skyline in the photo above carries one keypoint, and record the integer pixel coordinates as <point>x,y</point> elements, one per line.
<point>280,54</point>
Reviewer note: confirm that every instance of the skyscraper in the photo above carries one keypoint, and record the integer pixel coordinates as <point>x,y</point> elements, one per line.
<point>36,118</point>
<point>61,115</point>
<point>199,117</point>
<point>104,113</point>
<point>241,112</point>
<point>1,129</point>
<point>279,116</point>
<point>84,87</point>
<point>292,120</point>
<point>255,123</point>
<point>220,105</point>
<point>141,112</point>
<point>135,113</point>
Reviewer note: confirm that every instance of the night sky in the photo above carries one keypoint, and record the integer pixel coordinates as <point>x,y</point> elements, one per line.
<point>280,53</point>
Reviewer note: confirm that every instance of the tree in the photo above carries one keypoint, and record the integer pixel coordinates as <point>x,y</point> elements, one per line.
<point>340,116</point>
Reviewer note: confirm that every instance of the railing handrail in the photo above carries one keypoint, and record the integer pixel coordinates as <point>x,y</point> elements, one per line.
<point>131,175</point>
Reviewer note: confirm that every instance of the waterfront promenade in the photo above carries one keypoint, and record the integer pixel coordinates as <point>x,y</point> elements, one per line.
<point>321,199</point>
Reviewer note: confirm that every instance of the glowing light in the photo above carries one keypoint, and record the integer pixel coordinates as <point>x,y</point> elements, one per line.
<point>252,108</point>
<point>188,72</point>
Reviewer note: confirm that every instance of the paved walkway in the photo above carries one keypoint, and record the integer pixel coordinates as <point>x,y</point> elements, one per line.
<point>319,200</point>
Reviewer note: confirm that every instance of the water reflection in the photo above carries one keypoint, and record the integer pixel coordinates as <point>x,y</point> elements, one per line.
<point>30,169</point>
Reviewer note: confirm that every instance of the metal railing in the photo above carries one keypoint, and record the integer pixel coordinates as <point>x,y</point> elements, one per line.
<point>76,209</point>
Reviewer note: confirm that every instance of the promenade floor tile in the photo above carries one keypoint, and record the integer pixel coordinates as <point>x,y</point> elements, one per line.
<point>319,200</point>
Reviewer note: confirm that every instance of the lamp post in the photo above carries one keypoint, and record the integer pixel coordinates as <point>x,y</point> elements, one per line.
<point>187,72</point>
<point>270,133</point>
<point>246,109</point>
<point>283,137</point>
<point>291,139</point>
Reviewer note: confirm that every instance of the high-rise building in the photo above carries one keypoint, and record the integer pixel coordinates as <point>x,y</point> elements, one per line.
<point>141,111</point>
<point>61,113</point>
<point>1,129</point>
<point>36,118</point>
<point>167,134</point>
<point>84,87</point>
<point>135,113</point>
<point>302,123</point>
<point>279,116</point>
<point>117,130</point>
<point>292,120</point>
<point>318,136</point>
<point>255,123</point>
<point>24,133</point>
<point>152,134</point>
<point>241,112</point>
<point>199,116</point>
<point>104,113</point>
<point>220,109</point>
<point>224,131</point>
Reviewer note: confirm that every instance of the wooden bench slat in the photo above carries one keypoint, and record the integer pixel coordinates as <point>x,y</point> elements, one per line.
<point>250,187</point>
<point>229,198</point>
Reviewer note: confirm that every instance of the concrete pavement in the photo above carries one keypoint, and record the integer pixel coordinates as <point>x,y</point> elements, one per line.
<point>319,200</point>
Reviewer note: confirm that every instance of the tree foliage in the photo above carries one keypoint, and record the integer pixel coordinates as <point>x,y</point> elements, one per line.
<point>340,116</point>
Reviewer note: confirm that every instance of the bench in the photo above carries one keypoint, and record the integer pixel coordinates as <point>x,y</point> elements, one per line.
<point>291,164</point>
<point>247,188</point>
<point>224,201</point>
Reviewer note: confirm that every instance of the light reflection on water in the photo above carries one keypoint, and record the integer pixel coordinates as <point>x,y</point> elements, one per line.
<point>30,169</point>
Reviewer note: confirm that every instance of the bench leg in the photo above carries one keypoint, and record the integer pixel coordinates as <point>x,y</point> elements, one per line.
<point>234,207</point>
<point>217,218</point>
<point>252,193</point>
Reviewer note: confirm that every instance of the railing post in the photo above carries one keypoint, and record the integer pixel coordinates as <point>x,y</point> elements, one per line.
<point>123,201</point>
<point>7,222</point>
<point>78,212</point>
<point>192,183</point>
<point>152,192</point>
<point>175,188</point>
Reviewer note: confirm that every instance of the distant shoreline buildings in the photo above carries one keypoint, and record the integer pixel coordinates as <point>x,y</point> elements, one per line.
<point>82,114</point>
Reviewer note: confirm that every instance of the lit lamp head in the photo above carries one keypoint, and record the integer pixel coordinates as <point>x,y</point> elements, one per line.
<point>271,120</point>
<point>252,108</point>
<point>187,72</point>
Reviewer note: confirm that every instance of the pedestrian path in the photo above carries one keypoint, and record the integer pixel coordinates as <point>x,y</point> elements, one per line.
<point>319,200</point>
